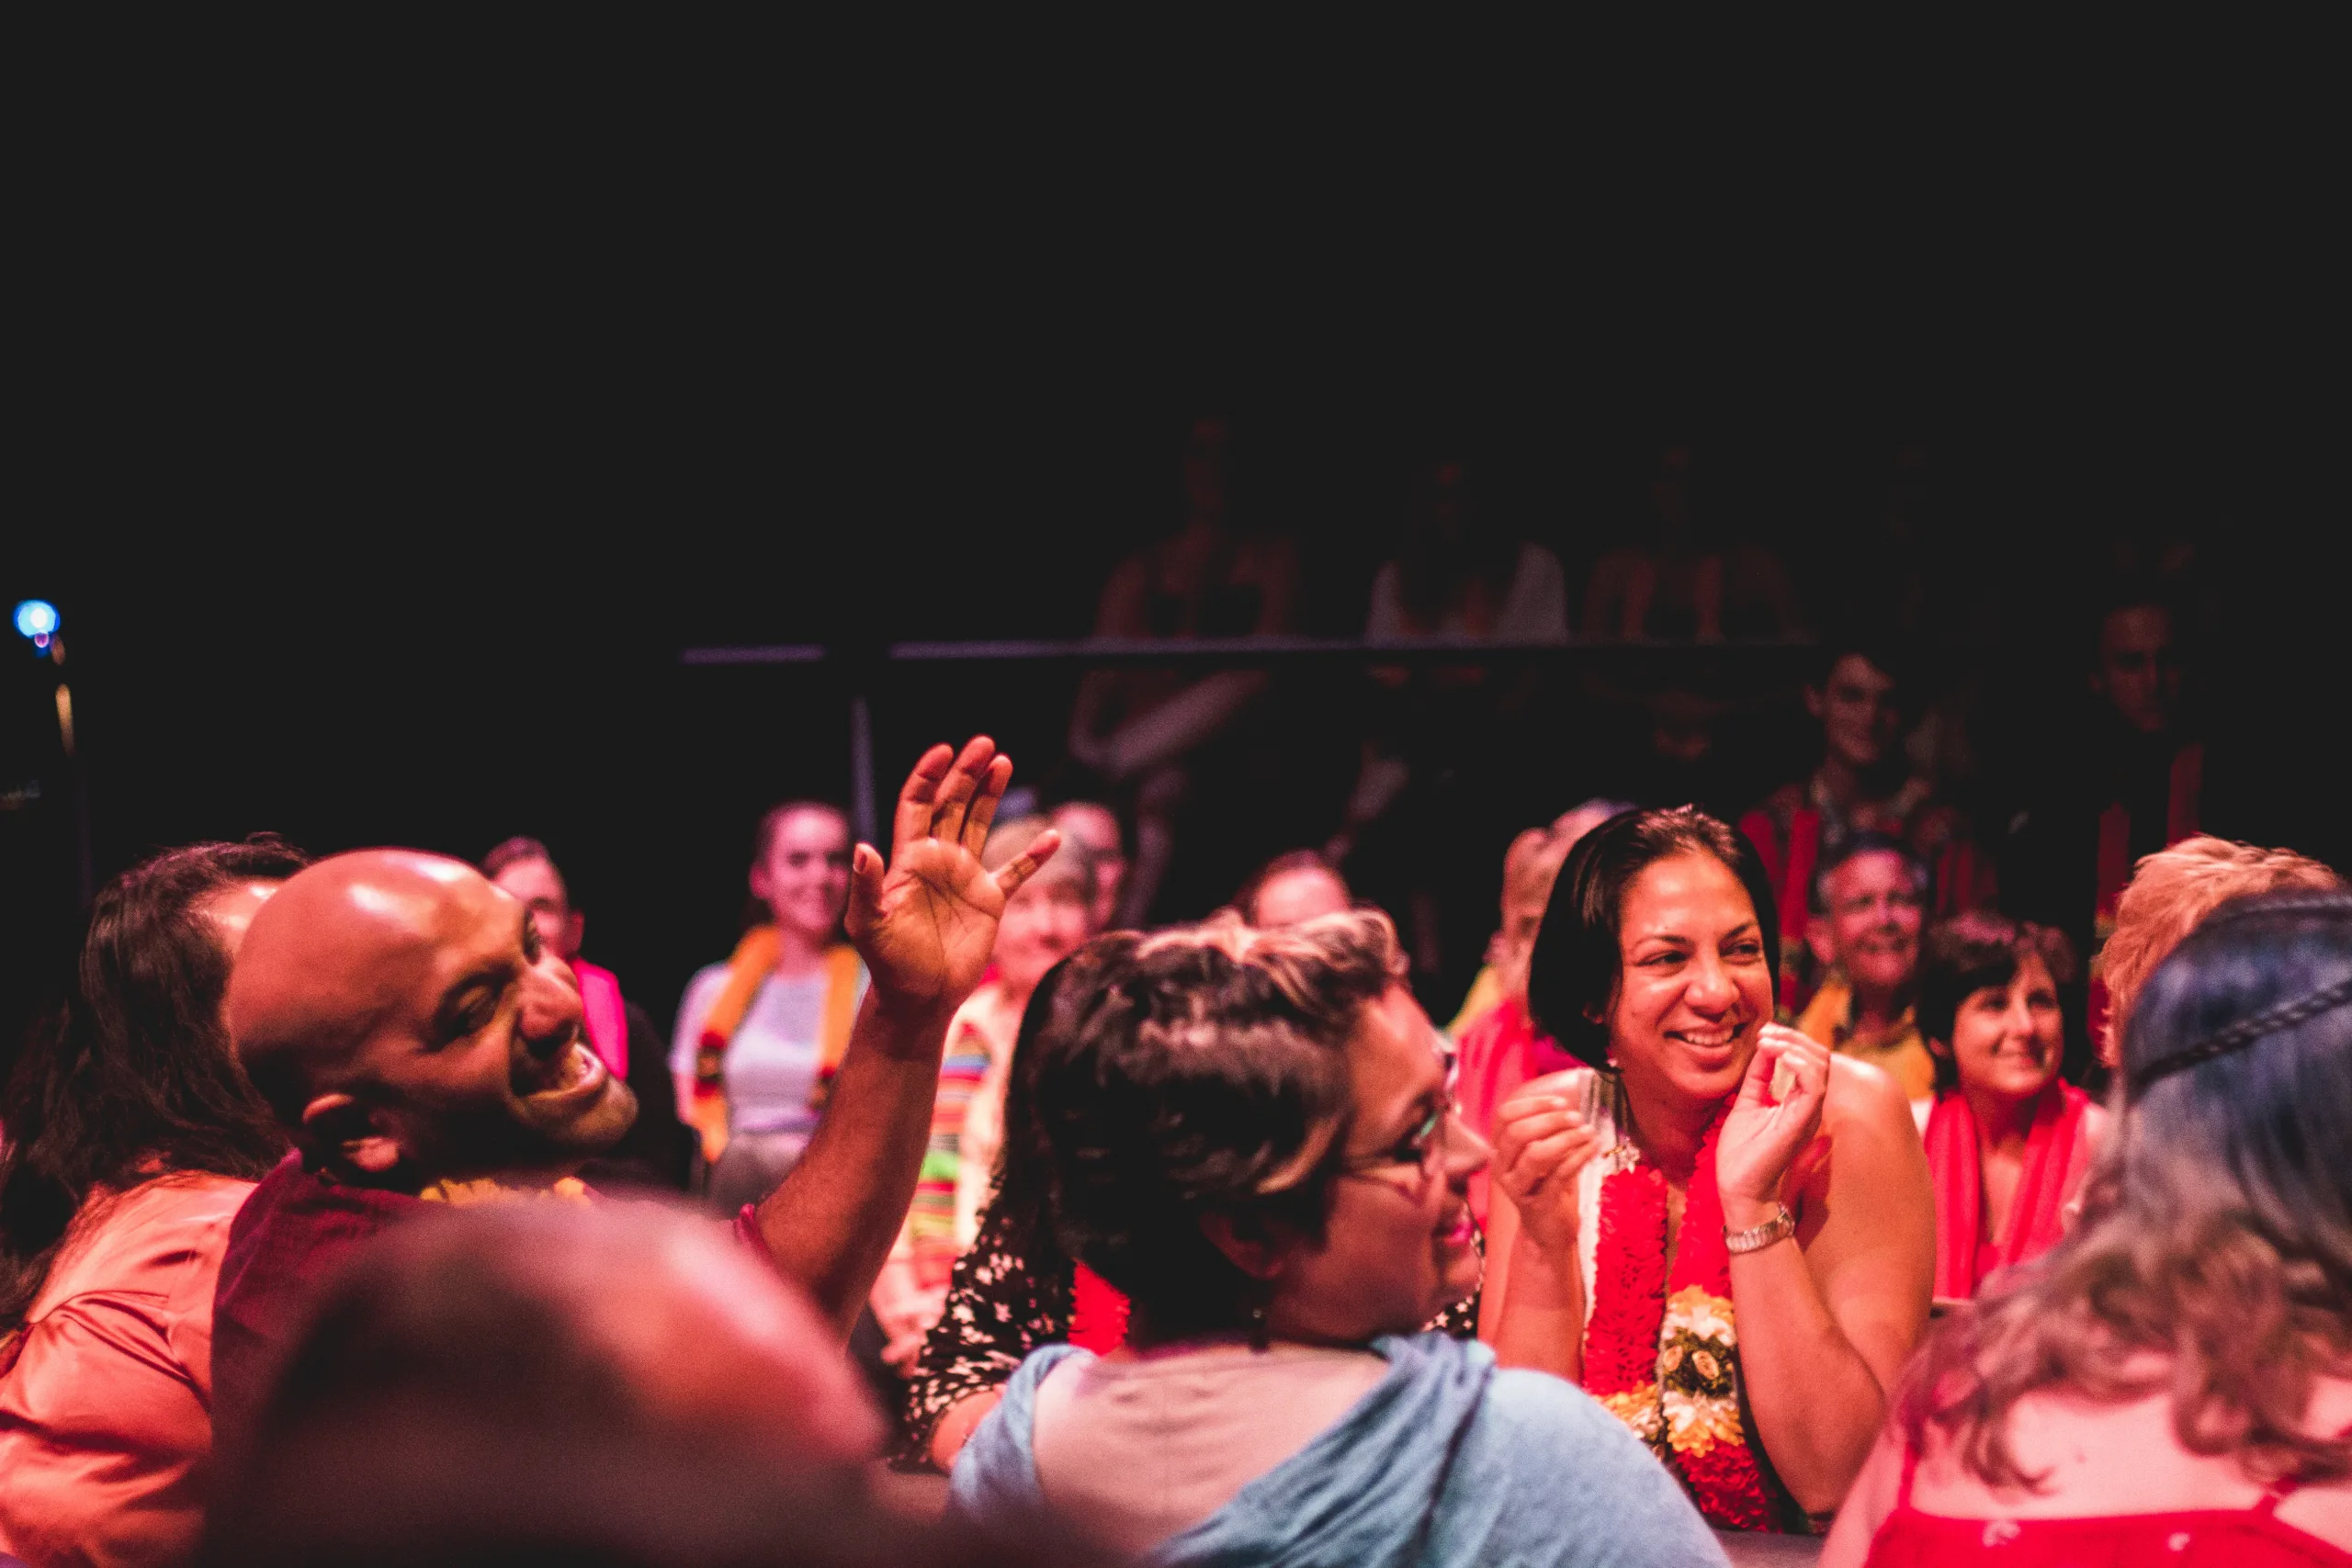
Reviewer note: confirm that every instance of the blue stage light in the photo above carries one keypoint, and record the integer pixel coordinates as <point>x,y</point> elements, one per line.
<point>37,618</point>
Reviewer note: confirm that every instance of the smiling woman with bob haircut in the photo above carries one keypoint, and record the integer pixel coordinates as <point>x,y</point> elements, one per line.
<point>1249,1133</point>
<point>1683,1181</point>
<point>2010,1142</point>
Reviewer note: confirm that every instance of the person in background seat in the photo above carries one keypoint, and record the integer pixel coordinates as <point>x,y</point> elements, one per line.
<point>658,1152</point>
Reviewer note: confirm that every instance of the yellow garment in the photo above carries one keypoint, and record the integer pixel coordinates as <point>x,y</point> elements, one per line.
<point>747,971</point>
<point>1899,1051</point>
<point>1485,992</point>
<point>489,1190</point>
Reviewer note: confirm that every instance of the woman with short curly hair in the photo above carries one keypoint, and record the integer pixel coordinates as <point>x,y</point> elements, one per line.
<point>1249,1133</point>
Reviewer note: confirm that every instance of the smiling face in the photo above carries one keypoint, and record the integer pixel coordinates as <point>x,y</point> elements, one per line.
<point>1859,717</point>
<point>1397,1246</point>
<point>803,876</point>
<point>1871,928</point>
<point>404,1012</point>
<point>2008,1040</point>
<point>1694,987</point>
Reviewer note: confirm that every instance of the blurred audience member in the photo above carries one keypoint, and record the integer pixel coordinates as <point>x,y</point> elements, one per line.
<point>132,1138</point>
<point>1291,888</point>
<point>1684,581</point>
<point>546,1383</point>
<point>1015,1290</point>
<point>1862,784</point>
<point>1528,872</point>
<point>759,1036</point>
<point>2008,1142</point>
<point>1148,730</point>
<point>1870,894</point>
<point>1503,1050</point>
<point>1708,1184</point>
<point>2124,781</point>
<point>2150,779</point>
<point>1044,924</point>
<point>400,1016</point>
<point>658,1151</point>
<point>2169,895</point>
<point>2172,1382</point>
<point>1459,575</point>
<point>1442,749</point>
<point>1278,1246</point>
<point>1095,827</point>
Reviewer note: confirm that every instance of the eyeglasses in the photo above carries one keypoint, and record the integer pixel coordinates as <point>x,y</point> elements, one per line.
<point>1423,1146</point>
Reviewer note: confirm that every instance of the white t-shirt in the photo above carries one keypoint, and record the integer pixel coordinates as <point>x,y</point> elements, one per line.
<point>772,1060</point>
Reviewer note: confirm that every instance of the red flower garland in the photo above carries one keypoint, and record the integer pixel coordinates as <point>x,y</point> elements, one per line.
<point>1630,1354</point>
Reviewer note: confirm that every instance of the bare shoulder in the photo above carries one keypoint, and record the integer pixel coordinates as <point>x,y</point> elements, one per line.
<point>1868,1148</point>
<point>1865,1099</point>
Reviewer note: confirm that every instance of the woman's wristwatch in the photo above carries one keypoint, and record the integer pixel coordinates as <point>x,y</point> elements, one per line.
<point>1756,1239</point>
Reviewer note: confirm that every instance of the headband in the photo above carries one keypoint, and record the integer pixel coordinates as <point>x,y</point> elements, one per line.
<point>2242,1033</point>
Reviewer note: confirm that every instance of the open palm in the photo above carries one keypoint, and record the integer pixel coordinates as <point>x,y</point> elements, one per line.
<point>926,923</point>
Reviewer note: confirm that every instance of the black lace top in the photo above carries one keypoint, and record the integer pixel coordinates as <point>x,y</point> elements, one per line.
<point>998,1310</point>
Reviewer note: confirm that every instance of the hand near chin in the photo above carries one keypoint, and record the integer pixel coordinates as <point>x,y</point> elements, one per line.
<point>1541,1145</point>
<point>1777,1114</point>
<point>926,923</point>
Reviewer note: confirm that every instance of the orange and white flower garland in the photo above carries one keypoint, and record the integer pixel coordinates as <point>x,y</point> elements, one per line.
<point>1660,1349</point>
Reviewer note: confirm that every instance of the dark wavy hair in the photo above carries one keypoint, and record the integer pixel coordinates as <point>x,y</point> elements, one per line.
<point>1573,974</point>
<point>2216,1229</point>
<point>1971,953</point>
<point>134,1075</point>
<point>1191,1072</point>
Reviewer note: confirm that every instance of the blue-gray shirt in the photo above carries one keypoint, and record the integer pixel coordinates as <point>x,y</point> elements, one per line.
<point>1448,1462</point>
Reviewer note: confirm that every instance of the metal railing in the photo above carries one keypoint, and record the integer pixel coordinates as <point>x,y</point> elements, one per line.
<point>1268,652</point>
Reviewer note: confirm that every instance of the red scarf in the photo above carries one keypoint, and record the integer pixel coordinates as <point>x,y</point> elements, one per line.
<point>2055,1152</point>
<point>604,1015</point>
<point>1097,1312</point>
<point>1660,1353</point>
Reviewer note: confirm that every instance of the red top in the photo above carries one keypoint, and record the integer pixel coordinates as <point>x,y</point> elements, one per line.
<point>2193,1537</point>
<point>105,1423</point>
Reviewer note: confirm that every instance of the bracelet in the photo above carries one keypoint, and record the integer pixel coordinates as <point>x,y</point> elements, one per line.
<point>1756,1239</point>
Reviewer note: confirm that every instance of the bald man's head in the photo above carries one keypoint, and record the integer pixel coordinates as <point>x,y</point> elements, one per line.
<point>400,1015</point>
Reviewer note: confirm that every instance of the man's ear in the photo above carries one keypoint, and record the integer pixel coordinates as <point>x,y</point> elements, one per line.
<point>1815,702</point>
<point>336,1126</point>
<point>758,880</point>
<point>575,925</point>
<point>1817,937</point>
<point>1246,1241</point>
<point>1938,1048</point>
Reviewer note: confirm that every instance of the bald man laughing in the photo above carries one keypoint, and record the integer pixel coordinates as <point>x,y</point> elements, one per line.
<point>397,1012</point>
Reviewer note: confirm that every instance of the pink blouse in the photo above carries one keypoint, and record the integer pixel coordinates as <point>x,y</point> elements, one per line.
<point>105,1426</point>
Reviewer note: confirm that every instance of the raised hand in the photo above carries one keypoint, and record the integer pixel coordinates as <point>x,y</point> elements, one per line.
<point>926,923</point>
<point>1778,1113</point>
<point>1541,1145</point>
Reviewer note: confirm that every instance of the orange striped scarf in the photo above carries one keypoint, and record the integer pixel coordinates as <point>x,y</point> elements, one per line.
<point>747,971</point>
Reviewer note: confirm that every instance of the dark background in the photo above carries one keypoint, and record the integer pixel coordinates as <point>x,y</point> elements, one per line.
<point>380,480</point>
